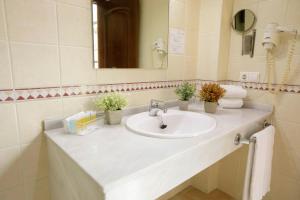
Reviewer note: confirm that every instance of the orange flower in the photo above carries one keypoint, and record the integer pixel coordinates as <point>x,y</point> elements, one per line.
<point>211,92</point>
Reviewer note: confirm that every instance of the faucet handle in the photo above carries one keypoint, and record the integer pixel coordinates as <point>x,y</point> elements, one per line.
<point>155,103</point>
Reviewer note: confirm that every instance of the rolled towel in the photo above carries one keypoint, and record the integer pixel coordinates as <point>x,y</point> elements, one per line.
<point>231,103</point>
<point>233,91</point>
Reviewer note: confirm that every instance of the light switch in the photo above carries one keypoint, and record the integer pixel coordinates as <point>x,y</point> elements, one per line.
<point>249,76</point>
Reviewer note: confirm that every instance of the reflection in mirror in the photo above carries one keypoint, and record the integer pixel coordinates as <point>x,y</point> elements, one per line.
<point>130,33</point>
<point>243,20</point>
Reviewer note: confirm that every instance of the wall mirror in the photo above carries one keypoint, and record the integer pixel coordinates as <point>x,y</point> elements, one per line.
<point>130,33</point>
<point>243,21</point>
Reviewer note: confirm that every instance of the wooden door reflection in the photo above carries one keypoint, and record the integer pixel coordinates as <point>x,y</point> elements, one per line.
<point>118,33</point>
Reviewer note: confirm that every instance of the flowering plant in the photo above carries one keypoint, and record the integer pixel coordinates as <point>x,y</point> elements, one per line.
<point>185,91</point>
<point>111,102</point>
<point>211,92</point>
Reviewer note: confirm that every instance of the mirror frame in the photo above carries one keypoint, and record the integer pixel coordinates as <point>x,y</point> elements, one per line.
<point>250,28</point>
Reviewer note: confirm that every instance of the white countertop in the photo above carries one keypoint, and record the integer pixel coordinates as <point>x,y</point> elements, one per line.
<point>114,156</point>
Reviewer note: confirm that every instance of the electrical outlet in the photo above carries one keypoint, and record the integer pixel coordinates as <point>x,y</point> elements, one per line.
<point>249,76</point>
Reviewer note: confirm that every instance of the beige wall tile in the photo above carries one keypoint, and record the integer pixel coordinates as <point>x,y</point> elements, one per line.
<point>192,8</point>
<point>15,193</point>
<point>176,67</point>
<point>31,21</point>
<point>225,35</point>
<point>245,4</point>
<point>292,14</point>
<point>82,3</point>
<point>238,65</point>
<point>35,65</point>
<point>9,168</point>
<point>270,11</point>
<point>130,75</point>
<point>286,108</point>
<point>285,160</point>
<point>5,69</point>
<point>177,14</point>
<point>190,67</point>
<point>34,160</point>
<point>290,138</point>
<point>3,35</point>
<point>77,104</point>
<point>74,25</point>
<point>77,68</point>
<point>8,126</point>
<point>207,57</point>
<point>32,113</point>
<point>235,44</point>
<point>143,97</point>
<point>212,10</point>
<point>37,190</point>
<point>191,40</point>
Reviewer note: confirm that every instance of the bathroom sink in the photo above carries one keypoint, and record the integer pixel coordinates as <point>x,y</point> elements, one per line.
<point>180,124</point>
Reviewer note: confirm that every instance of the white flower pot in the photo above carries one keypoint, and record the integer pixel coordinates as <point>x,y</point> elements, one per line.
<point>113,117</point>
<point>210,107</point>
<point>183,105</point>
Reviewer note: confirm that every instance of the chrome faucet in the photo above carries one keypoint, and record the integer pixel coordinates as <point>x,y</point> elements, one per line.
<point>154,111</point>
<point>156,106</point>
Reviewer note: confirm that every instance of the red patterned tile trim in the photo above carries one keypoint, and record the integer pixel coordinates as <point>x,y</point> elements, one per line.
<point>7,95</point>
<point>25,94</point>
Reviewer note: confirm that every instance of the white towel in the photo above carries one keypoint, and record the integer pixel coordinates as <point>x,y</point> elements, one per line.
<point>231,103</point>
<point>262,163</point>
<point>233,91</point>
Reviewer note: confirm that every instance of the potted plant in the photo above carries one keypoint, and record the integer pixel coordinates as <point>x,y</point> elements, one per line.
<point>185,92</point>
<point>210,93</point>
<point>112,104</point>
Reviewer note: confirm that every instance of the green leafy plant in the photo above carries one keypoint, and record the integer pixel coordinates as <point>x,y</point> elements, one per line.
<point>211,92</point>
<point>186,91</point>
<point>111,102</point>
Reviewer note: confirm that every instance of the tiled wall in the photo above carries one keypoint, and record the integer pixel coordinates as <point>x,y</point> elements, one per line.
<point>213,39</point>
<point>286,162</point>
<point>47,43</point>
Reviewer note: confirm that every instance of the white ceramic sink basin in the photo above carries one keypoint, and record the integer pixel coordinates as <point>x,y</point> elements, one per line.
<point>180,124</point>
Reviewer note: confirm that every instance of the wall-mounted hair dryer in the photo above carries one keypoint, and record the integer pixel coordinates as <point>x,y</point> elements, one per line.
<point>272,35</point>
<point>159,46</point>
<point>159,51</point>
<point>270,41</point>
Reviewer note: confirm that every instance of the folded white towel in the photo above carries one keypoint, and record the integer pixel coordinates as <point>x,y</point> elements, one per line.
<point>231,103</point>
<point>262,163</point>
<point>233,91</point>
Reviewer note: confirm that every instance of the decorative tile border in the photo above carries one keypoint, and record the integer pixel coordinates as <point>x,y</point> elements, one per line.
<point>7,95</point>
<point>37,93</point>
<point>265,86</point>
<point>27,94</point>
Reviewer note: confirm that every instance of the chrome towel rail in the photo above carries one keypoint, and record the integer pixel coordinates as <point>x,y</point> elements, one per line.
<point>239,140</point>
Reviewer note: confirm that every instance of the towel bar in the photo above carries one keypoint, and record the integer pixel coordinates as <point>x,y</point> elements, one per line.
<point>239,140</point>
